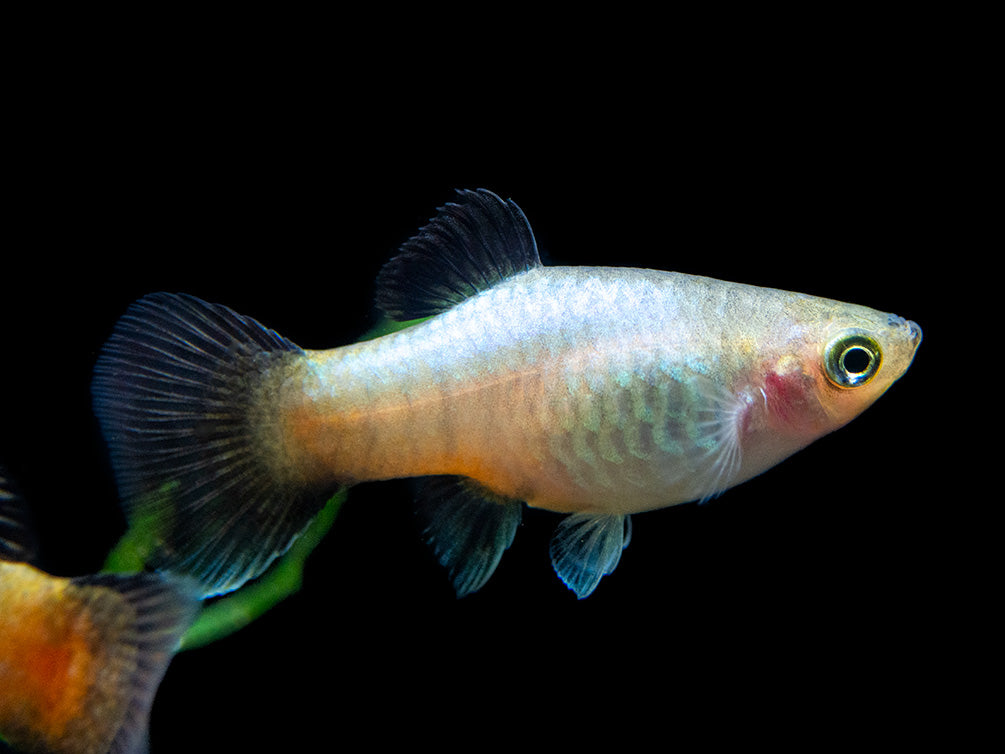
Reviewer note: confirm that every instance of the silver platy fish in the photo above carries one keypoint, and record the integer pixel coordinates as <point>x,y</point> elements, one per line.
<point>596,392</point>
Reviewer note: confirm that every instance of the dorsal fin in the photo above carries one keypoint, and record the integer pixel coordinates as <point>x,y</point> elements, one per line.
<point>471,244</point>
<point>17,539</point>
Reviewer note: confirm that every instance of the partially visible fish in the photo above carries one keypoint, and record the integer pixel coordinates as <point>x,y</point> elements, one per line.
<point>592,391</point>
<point>80,658</point>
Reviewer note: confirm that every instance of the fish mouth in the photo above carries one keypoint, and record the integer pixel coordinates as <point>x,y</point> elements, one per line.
<point>913,329</point>
<point>912,334</point>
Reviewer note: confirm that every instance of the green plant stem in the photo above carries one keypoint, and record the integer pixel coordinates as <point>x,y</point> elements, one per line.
<point>233,612</point>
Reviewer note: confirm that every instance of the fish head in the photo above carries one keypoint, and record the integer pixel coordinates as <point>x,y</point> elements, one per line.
<point>843,359</point>
<point>861,359</point>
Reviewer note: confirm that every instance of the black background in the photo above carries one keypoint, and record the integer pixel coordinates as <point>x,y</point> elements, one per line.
<point>809,593</point>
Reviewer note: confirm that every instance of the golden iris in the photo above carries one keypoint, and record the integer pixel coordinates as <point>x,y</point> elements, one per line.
<point>852,359</point>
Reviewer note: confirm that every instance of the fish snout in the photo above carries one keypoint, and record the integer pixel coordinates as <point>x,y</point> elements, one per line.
<point>911,329</point>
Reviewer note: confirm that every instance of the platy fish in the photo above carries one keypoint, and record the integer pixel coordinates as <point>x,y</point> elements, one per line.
<point>80,658</point>
<point>596,392</point>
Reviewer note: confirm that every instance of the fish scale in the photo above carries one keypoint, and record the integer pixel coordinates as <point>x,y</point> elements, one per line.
<point>639,431</point>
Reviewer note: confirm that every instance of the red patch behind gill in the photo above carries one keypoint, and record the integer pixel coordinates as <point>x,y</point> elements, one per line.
<point>785,396</point>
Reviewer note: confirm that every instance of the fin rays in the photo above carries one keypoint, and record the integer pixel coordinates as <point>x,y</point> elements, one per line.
<point>176,391</point>
<point>467,527</point>
<point>17,540</point>
<point>470,245</point>
<point>586,547</point>
<point>720,427</point>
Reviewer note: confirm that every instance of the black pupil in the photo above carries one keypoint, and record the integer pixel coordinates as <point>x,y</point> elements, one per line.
<point>856,360</point>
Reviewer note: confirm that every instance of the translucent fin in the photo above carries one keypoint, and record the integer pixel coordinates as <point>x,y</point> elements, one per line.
<point>586,547</point>
<point>720,425</point>
<point>468,528</point>
<point>17,538</point>
<point>471,245</point>
<point>177,394</point>
<point>140,649</point>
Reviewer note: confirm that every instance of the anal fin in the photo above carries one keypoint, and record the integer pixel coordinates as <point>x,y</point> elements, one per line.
<point>468,527</point>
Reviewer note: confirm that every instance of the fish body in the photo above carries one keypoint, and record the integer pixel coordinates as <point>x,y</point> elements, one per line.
<point>592,391</point>
<point>80,658</point>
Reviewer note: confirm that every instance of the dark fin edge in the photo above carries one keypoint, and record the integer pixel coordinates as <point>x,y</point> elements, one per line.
<point>163,610</point>
<point>175,392</point>
<point>17,536</point>
<point>469,246</point>
<point>468,527</point>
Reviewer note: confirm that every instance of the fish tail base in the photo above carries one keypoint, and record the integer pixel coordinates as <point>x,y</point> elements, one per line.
<point>181,394</point>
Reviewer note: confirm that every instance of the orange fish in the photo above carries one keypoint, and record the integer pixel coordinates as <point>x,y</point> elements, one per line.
<point>80,658</point>
<point>595,392</point>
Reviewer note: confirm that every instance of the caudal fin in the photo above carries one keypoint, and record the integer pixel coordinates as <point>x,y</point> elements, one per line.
<point>181,392</point>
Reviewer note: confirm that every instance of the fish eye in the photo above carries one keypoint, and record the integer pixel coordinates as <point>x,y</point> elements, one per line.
<point>852,359</point>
